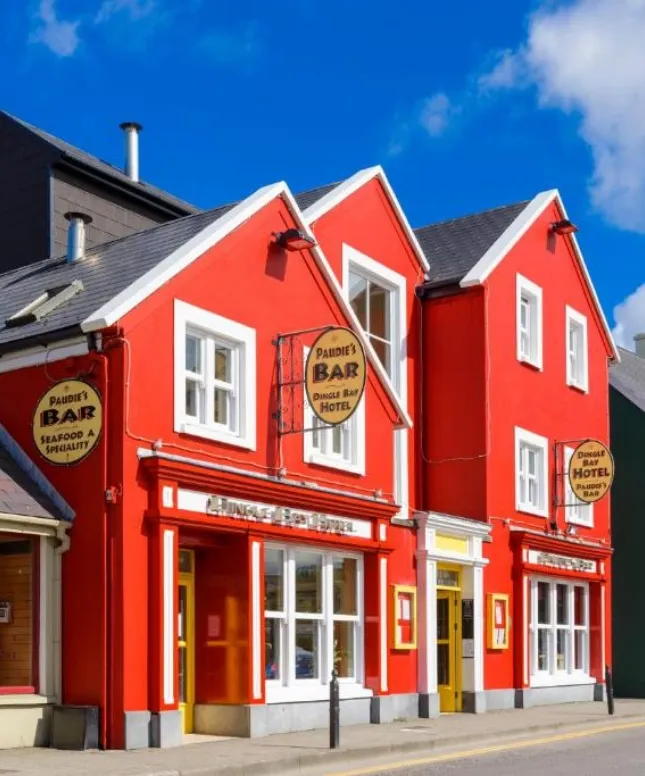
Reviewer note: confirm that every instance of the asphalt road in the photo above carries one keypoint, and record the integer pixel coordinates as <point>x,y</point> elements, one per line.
<point>609,753</point>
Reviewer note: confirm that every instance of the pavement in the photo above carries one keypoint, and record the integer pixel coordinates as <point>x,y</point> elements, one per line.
<point>308,752</point>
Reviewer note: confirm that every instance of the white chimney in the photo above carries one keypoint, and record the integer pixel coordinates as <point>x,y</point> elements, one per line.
<point>639,345</point>
<point>76,235</point>
<point>131,129</point>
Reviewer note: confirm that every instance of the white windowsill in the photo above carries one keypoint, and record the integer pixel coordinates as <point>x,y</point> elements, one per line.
<point>534,364</point>
<point>216,435</point>
<point>576,521</point>
<point>28,699</point>
<point>314,692</point>
<point>334,463</point>
<point>531,510</point>
<point>562,680</point>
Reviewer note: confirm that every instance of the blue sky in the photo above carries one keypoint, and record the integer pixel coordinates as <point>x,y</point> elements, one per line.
<point>467,105</point>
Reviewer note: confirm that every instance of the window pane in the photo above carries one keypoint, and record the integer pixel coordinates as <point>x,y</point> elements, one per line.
<point>561,649</point>
<point>443,664</point>
<point>345,586</point>
<point>193,354</point>
<point>308,583</point>
<point>579,605</point>
<point>358,297</point>
<point>192,398</point>
<point>532,461</point>
<point>562,606</point>
<point>379,321</point>
<point>543,604</point>
<point>223,363</point>
<point>220,407</point>
<point>443,619</point>
<point>16,595</point>
<point>543,642</point>
<point>273,580</point>
<point>337,440</point>
<point>307,649</point>
<point>580,645</point>
<point>272,628</point>
<point>382,350</point>
<point>344,658</point>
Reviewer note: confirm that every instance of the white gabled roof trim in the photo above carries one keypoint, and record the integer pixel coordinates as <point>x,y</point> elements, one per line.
<point>512,235</point>
<point>349,186</point>
<point>186,254</point>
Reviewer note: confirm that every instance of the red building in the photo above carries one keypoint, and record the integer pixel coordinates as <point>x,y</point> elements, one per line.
<point>228,550</point>
<point>516,352</point>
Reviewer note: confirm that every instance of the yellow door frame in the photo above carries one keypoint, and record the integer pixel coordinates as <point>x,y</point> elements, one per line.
<point>187,707</point>
<point>450,695</point>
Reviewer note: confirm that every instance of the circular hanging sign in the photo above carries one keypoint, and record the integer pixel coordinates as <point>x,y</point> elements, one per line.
<point>591,471</point>
<point>67,422</point>
<point>335,375</point>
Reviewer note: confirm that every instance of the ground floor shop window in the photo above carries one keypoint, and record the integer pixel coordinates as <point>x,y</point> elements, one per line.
<point>313,617</point>
<point>559,631</point>
<point>18,568</point>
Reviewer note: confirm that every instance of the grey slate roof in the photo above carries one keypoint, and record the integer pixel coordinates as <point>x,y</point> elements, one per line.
<point>307,198</point>
<point>106,168</point>
<point>105,271</point>
<point>628,377</point>
<point>454,247</point>
<point>24,490</point>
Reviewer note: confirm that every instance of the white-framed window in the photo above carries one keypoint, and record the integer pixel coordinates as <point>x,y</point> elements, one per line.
<point>529,322</point>
<point>313,620</point>
<point>215,377</point>
<point>377,296</point>
<point>577,350</point>
<point>559,631</point>
<point>576,512</point>
<point>338,447</point>
<point>531,472</point>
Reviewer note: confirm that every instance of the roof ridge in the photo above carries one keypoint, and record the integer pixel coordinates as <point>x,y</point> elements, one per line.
<point>473,215</point>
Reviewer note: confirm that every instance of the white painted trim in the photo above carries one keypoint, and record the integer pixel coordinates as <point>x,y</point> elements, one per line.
<point>395,283</point>
<point>528,630</point>
<point>45,615</point>
<point>522,436</point>
<point>169,645</point>
<point>243,338</point>
<point>277,693</point>
<point>534,292</point>
<point>573,316</point>
<point>187,253</point>
<point>36,526</point>
<point>427,614</point>
<point>478,628</point>
<point>511,236</point>
<point>345,189</point>
<point>383,621</point>
<point>256,620</point>
<point>452,525</point>
<point>603,628</point>
<point>562,680</point>
<point>570,518</point>
<point>22,359</point>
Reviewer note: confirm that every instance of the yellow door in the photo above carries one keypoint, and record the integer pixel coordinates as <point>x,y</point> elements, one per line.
<point>449,650</point>
<point>186,641</point>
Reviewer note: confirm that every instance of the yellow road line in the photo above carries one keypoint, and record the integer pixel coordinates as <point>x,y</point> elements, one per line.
<point>507,747</point>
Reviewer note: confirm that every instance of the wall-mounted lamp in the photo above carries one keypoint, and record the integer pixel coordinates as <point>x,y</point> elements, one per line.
<point>564,227</point>
<point>294,240</point>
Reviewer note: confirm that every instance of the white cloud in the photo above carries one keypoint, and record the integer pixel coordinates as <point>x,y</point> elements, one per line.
<point>135,9</point>
<point>60,37</point>
<point>587,58</point>
<point>629,316</point>
<point>232,46</point>
<point>436,113</point>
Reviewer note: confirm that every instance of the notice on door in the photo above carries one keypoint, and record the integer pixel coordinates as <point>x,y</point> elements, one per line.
<point>67,422</point>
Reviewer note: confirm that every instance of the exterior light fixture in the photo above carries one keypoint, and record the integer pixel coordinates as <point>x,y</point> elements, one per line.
<point>564,227</point>
<point>294,240</point>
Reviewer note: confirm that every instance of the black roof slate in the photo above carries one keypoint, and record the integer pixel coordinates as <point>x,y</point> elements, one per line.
<point>454,247</point>
<point>307,198</point>
<point>106,168</point>
<point>105,271</point>
<point>628,377</point>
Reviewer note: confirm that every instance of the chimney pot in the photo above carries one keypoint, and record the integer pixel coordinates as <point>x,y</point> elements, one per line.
<point>76,235</point>
<point>131,130</point>
<point>639,344</point>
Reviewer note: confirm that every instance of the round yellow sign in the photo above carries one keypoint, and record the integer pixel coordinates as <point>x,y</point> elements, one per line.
<point>335,375</point>
<point>67,422</point>
<point>591,471</point>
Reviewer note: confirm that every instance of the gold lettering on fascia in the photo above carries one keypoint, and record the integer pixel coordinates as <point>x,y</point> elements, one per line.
<point>263,513</point>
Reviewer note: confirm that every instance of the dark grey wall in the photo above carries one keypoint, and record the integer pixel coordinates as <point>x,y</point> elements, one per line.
<point>113,215</point>
<point>24,197</point>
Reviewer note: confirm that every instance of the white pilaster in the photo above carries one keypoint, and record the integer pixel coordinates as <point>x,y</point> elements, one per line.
<point>169,591</point>
<point>256,624</point>
<point>478,628</point>
<point>383,621</point>
<point>427,614</point>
